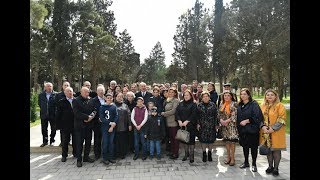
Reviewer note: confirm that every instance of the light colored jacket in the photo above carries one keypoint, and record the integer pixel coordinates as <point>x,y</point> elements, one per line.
<point>169,112</point>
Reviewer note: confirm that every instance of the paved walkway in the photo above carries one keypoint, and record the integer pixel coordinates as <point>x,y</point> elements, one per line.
<point>48,165</point>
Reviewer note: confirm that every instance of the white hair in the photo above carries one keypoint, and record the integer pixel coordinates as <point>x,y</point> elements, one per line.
<point>130,93</point>
<point>113,81</point>
<point>68,88</point>
<point>142,83</point>
<point>48,83</point>
<point>101,87</point>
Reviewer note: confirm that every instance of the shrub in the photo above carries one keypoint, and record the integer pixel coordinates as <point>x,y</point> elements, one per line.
<point>33,106</point>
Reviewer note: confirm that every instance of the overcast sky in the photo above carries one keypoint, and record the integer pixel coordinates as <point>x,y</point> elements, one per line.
<point>149,21</point>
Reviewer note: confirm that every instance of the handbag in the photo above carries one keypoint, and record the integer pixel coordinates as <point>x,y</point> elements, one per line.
<point>183,135</point>
<point>219,133</point>
<point>264,150</point>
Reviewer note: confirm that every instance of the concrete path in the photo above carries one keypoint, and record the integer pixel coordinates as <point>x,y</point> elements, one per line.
<point>48,165</point>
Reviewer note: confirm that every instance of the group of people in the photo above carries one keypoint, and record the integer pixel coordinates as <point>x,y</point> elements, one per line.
<point>124,120</point>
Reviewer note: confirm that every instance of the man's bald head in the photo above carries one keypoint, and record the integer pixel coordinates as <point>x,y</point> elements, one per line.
<point>68,91</point>
<point>84,92</point>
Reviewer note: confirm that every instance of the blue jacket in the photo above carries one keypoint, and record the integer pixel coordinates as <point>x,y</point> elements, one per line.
<point>107,114</point>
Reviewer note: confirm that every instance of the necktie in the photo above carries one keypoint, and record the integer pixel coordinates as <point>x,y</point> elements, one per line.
<point>70,100</point>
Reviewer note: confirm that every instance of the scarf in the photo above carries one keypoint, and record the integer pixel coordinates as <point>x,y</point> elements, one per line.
<point>226,107</point>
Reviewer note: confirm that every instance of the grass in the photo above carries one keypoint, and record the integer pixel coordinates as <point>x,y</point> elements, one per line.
<point>288,121</point>
<point>37,122</point>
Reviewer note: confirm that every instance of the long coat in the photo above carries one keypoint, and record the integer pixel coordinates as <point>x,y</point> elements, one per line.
<point>207,119</point>
<point>186,110</point>
<point>249,134</point>
<point>278,138</point>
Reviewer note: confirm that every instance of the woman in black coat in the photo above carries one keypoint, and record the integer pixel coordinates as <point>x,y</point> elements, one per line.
<point>186,117</point>
<point>249,118</point>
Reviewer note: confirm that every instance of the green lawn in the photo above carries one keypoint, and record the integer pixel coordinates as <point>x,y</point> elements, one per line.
<point>288,121</point>
<point>37,122</point>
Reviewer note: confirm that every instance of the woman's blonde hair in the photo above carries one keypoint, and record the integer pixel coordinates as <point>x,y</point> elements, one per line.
<point>265,102</point>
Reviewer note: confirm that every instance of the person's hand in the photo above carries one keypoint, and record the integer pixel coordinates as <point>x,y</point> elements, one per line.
<point>138,128</point>
<point>198,127</point>
<point>180,123</point>
<point>185,123</point>
<point>244,122</point>
<point>265,129</point>
<point>270,130</point>
<point>162,113</point>
<point>130,128</point>
<point>89,119</point>
<point>110,129</point>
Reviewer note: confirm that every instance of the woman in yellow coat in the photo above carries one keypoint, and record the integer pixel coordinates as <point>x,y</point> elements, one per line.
<point>273,132</point>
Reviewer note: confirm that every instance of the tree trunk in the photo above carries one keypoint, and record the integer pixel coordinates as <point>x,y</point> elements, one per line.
<point>94,75</point>
<point>35,73</point>
<point>267,75</point>
<point>280,85</point>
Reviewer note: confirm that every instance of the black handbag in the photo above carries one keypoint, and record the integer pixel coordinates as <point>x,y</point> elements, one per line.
<point>183,135</point>
<point>219,133</point>
<point>264,150</point>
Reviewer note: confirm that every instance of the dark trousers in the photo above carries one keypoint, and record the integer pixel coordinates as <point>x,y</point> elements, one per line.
<point>44,129</point>
<point>166,139</point>
<point>121,140</point>
<point>65,136</point>
<point>174,144</point>
<point>97,139</point>
<point>131,141</point>
<point>107,143</point>
<point>83,135</point>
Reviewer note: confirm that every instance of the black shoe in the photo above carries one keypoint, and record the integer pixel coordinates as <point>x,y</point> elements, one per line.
<point>144,157</point>
<point>173,157</point>
<point>97,157</point>
<point>158,157</point>
<point>169,154</point>
<point>151,157</point>
<point>135,157</point>
<point>88,159</point>
<point>244,165</point>
<point>43,144</point>
<point>269,170</point>
<point>105,162</point>
<point>112,161</point>
<point>275,172</point>
<point>254,168</point>
<point>185,158</point>
<point>63,159</point>
<point>74,155</point>
<point>191,158</point>
<point>204,156</point>
<point>209,156</point>
<point>122,157</point>
<point>79,164</point>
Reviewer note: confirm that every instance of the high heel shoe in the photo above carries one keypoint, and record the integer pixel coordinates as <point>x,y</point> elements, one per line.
<point>226,161</point>
<point>232,163</point>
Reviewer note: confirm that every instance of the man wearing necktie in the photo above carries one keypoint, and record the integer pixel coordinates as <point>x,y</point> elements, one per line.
<point>143,93</point>
<point>65,121</point>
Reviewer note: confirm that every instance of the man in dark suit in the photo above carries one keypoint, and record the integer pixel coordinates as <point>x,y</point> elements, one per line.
<point>143,93</point>
<point>59,96</point>
<point>227,87</point>
<point>65,121</point>
<point>87,84</point>
<point>46,102</point>
<point>84,112</point>
<point>97,102</point>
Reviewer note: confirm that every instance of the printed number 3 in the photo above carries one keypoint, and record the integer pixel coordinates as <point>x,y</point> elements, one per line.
<point>107,114</point>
